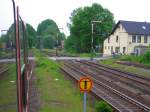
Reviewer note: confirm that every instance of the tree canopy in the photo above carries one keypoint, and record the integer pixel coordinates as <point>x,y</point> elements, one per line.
<point>80,27</point>
<point>48,34</point>
<point>31,34</point>
<point>9,37</point>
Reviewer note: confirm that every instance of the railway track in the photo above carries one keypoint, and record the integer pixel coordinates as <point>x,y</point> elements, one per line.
<point>135,81</point>
<point>128,74</point>
<point>3,69</point>
<point>53,54</point>
<point>104,89</point>
<point>48,53</point>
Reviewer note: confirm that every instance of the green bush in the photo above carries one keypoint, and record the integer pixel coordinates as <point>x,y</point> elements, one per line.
<point>125,58</point>
<point>146,57</point>
<point>103,106</point>
<point>131,58</point>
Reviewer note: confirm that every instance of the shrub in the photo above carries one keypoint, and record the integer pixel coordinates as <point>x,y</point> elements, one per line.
<point>146,57</point>
<point>131,58</point>
<point>103,106</point>
<point>125,58</point>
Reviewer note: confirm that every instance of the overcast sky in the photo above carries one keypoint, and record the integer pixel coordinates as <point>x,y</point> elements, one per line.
<point>34,11</point>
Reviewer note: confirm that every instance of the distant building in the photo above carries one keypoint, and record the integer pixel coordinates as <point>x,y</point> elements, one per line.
<point>128,37</point>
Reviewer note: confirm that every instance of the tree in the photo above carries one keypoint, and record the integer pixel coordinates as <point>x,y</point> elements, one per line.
<point>31,35</point>
<point>9,38</point>
<point>49,33</point>
<point>48,42</point>
<point>61,36</point>
<point>80,27</point>
<point>2,40</point>
<point>70,45</point>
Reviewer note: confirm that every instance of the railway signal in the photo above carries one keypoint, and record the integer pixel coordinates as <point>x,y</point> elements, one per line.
<point>85,85</point>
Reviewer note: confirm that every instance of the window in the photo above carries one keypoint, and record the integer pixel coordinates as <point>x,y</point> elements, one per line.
<point>108,39</point>
<point>145,39</point>
<point>117,49</point>
<point>117,38</point>
<point>105,47</point>
<point>108,47</point>
<point>144,27</point>
<point>139,39</point>
<point>133,39</point>
<point>124,49</point>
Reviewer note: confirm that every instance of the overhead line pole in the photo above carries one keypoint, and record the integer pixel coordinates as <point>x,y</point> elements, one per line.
<point>18,64</point>
<point>18,47</point>
<point>57,42</point>
<point>92,37</point>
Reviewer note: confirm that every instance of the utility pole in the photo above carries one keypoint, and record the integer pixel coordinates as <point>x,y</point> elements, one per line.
<point>92,37</point>
<point>57,42</point>
<point>39,42</point>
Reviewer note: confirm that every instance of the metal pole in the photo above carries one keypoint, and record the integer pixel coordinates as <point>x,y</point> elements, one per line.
<point>92,39</point>
<point>15,32</point>
<point>92,43</point>
<point>19,83</point>
<point>40,43</point>
<point>84,102</point>
<point>56,44</point>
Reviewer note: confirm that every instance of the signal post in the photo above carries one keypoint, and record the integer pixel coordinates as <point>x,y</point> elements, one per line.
<point>85,85</point>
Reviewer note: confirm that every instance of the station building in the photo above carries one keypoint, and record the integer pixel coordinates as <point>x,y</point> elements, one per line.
<point>128,37</point>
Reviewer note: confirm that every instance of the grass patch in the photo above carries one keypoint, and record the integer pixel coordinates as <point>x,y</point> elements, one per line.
<point>143,59</point>
<point>85,55</point>
<point>73,54</point>
<point>8,94</point>
<point>57,93</point>
<point>132,69</point>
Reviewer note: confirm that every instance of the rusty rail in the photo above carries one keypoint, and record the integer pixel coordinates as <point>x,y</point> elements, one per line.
<point>75,71</point>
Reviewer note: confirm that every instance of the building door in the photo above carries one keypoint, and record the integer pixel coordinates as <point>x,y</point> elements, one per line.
<point>112,49</point>
<point>136,51</point>
<point>124,50</point>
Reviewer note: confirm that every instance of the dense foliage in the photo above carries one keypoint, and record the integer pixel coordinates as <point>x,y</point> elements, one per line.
<point>31,34</point>
<point>144,59</point>
<point>103,106</point>
<point>9,37</point>
<point>48,34</point>
<point>80,28</point>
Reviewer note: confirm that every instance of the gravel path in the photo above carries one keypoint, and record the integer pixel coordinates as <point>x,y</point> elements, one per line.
<point>34,104</point>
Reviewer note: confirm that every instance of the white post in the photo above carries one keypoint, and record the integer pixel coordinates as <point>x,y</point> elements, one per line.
<point>92,38</point>
<point>84,102</point>
<point>92,43</point>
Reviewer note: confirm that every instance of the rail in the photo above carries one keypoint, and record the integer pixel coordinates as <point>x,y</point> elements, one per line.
<point>138,104</point>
